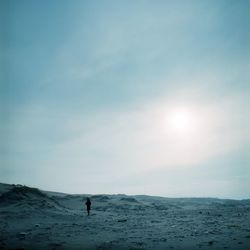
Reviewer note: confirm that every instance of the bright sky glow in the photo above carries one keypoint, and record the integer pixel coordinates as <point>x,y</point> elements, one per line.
<point>136,97</point>
<point>181,120</point>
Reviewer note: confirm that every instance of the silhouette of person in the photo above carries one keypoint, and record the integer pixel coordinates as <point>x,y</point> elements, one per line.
<point>88,204</point>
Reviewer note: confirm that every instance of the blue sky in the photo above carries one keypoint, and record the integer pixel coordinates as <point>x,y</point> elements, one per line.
<point>87,88</point>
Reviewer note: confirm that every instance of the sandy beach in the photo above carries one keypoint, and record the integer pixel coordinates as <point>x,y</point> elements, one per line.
<point>35,219</point>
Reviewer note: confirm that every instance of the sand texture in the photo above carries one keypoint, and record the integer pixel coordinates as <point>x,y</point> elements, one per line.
<point>35,219</point>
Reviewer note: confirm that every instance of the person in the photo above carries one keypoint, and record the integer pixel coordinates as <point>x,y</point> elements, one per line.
<point>88,204</point>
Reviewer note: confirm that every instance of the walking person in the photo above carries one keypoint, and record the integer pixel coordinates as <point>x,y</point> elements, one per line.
<point>88,205</point>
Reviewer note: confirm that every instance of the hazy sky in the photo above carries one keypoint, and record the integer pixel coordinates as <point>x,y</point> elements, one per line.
<point>136,97</point>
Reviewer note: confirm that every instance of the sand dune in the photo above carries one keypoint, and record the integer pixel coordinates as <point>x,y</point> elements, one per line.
<point>35,219</point>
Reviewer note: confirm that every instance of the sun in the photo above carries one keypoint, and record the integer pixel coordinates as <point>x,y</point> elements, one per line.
<point>180,121</point>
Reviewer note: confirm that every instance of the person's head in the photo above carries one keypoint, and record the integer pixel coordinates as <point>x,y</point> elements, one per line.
<point>88,199</point>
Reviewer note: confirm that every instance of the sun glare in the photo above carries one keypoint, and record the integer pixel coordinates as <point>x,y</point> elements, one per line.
<point>180,121</point>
